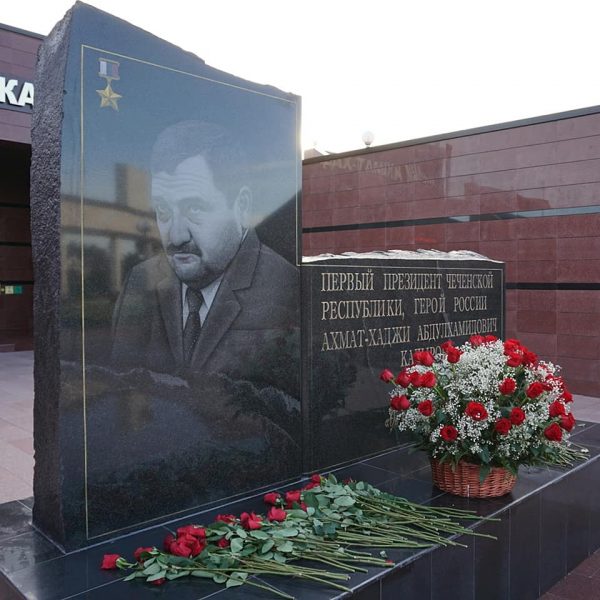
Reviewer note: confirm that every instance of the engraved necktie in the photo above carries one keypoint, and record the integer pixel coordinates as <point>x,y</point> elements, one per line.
<point>191,331</point>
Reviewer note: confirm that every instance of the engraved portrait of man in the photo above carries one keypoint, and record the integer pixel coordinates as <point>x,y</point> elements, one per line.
<point>216,294</point>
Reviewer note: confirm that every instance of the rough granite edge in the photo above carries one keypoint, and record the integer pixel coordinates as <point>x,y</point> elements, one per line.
<point>402,255</point>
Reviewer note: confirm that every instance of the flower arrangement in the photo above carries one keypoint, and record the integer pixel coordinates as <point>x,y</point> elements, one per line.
<point>487,402</point>
<point>326,522</point>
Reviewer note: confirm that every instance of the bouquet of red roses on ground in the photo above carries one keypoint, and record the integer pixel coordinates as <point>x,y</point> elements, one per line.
<point>488,402</point>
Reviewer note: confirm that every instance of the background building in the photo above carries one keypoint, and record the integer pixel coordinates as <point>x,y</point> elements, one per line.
<point>525,192</point>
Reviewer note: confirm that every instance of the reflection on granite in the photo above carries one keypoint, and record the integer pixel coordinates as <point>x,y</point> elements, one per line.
<point>551,514</point>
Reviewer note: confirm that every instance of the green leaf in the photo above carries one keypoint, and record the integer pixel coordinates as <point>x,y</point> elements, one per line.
<point>248,550</point>
<point>280,558</point>
<point>218,578</point>
<point>259,535</point>
<point>156,576</point>
<point>171,576</point>
<point>344,501</point>
<point>130,577</point>
<point>267,546</point>
<point>286,546</point>
<point>150,561</point>
<point>288,532</point>
<point>236,545</point>
<point>231,582</point>
<point>200,573</point>
<point>152,569</point>
<point>241,533</point>
<point>310,511</point>
<point>484,471</point>
<point>484,454</point>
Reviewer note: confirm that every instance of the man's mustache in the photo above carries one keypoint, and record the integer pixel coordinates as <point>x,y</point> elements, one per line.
<point>187,248</point>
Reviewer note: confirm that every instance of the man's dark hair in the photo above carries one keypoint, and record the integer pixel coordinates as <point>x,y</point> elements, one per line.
<point>221,151</point>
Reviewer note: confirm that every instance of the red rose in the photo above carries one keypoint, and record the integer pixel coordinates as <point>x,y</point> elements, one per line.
<point>425,408</point>
<point>453,355</point>
<point>250,520</point>
<point>179,549</point>
<point>403,378</point>
<point>567,422</point>
<point>517,415</point>
<point>293,496</point>
<point>534,389</point>
<point>514,359</point>
<point>400,403</point>
<point>386,375</point>
<point>110,561</point>
<point>508,386</point>
<point>553,432</point>
<point>502,426</point>
<point>276,514</point>
<point>192,530</point>
<point>567,396</point>
<point>490,338</point>
<point>272,498</point>
<point>223,543</point>
<point>476,340</point>
<point>512,346</point>
<point>447,345</point>
<point>424,358</point>
<point>476,411</point>
<point>310,486</point>
<point>316,478</point>
<point>138,553</point>
<point>158,581</point>
<point>449,433</point>
<point>415,378</point>
<point>187,545</point>
<point>428,379</point>
<point>226,519</point>
<point>557,409</point>
<point>169,539</point>
<point>529,358</point>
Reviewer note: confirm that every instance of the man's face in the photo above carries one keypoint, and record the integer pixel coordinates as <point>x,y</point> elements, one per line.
<point>200,232</point>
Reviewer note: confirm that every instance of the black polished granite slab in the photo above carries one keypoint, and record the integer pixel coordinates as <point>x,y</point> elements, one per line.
<point>154,174</point>
<point>363,313</point>
<point>548,524</point>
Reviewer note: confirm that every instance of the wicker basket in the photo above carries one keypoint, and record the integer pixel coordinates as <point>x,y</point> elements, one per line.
<point>464,480</point>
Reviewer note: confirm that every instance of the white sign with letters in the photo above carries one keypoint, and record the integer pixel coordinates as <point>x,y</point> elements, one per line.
<point>15,93</point>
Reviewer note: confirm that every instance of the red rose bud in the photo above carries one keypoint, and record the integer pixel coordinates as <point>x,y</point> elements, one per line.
<point>138,553</point>
<point>400,403</point>
<point>293,496</point>
<point>425,408</point>
<point>557,409</point>
<point>223,543</point>
<point>316,478</point>
<point>508,386</point>
<point>534,389</point>
<point>424,358</point>
<point>514,359</point>
<point>517,415</point>
<point>449,433</point>
<point>158,581</point>
<point>386,375</point>
<point>226,519</point>
<point>250,521</point>
<point>415,378</point>
<point>476,340</point>
<point>403,379</point>
<point>553,432</point>
<point>169,539</point>
<point>276,514</point>
<point>503,426</point>
<point>453,355</point>
<point>192,530</point>
<point>567,422</point>
<point>447,345</point>
<point>567,396</point>
<point>428,379</point>
<point>476,411</point>
<point>272,498</point>
<point>109,561</point>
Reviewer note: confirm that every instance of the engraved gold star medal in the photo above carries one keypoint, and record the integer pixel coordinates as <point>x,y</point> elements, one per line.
<point>109,70</point>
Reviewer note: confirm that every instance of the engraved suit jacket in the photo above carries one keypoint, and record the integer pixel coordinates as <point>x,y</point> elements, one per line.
<point>254,313</point>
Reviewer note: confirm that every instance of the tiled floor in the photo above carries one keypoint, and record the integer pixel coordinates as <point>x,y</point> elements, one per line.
<point>16,459</point>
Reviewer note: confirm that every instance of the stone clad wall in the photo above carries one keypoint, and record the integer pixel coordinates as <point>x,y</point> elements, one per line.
<point>524,193</point>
